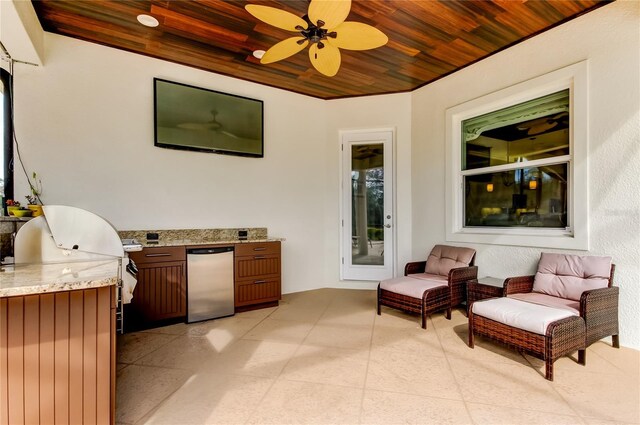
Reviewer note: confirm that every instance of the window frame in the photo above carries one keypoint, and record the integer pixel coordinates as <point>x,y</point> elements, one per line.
<point>574,78</point>
<point>7,137</point>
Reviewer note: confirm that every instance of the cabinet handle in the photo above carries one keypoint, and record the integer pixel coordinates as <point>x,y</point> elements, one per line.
<point>259,281</point>
<point>260,249</point>
<point>158,255</point>
<point>259,257</point>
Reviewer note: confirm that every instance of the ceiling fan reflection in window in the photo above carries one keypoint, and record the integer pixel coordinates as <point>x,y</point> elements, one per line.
<point>324,28</point>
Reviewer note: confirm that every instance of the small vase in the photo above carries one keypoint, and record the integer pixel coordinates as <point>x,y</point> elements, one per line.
<point>11,209</point>
<point>37,210</point>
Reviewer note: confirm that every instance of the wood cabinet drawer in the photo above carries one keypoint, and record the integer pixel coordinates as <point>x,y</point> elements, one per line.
<point>257,266</point>
<point>159,254</point>
<point>257,248</point>
<point>258,290</point>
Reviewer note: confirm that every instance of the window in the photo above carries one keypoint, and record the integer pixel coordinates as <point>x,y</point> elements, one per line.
<point>6,130</point>
<point>516,163</point>
<point>503,187</point>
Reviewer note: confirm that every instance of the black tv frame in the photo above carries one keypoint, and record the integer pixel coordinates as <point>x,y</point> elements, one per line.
<point>160,144</point>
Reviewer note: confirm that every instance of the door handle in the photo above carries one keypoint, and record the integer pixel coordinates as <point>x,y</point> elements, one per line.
<point>388,226</point>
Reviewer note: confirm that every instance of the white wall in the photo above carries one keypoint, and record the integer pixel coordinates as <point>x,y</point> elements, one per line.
<point>85,124</point>
<point>610,40</point>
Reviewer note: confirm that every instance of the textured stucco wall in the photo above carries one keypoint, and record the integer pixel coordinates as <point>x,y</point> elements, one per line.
<point>609,39</point>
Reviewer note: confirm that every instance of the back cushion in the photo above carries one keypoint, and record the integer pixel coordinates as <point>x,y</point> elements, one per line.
<point>444,258</point>
<point>568,276</point>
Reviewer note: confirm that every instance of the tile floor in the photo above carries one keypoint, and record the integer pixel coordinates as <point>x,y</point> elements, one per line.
<point>325,357</point>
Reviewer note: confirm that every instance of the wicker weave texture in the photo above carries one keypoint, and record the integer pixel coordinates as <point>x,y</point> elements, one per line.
<point>563,337</point>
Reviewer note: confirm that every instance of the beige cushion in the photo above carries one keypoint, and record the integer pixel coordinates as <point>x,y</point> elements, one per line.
<point>568,276</point>
<point>409,286</point>
<point>520,314</point>
<point>431,277</point>
<point>444,258</point>
<point>549,301</point>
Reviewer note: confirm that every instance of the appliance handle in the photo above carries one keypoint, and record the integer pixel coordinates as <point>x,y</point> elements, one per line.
<point>207,251</point>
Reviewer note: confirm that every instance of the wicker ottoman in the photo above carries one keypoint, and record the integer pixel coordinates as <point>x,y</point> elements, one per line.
<point>544,332</point>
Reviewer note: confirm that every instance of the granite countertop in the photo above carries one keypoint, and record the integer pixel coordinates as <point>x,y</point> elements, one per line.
<point>28,279</point>
<point>196,242</point>
<point>194,237</point>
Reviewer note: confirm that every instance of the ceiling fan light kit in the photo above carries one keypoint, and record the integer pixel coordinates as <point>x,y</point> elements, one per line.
<point>323,28</point>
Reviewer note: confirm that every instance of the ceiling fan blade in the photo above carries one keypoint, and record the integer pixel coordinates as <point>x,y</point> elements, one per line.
<point>283,50</point>
<point>326,60</point>
<point>276,17</point>
<point>331,12</point>
<point>357,36</point>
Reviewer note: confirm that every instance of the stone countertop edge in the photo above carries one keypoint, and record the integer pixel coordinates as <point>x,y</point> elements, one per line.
<point>188,243</point>
<point>36,279</point>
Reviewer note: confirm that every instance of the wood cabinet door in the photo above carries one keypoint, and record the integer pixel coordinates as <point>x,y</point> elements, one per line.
<point>161,291</point>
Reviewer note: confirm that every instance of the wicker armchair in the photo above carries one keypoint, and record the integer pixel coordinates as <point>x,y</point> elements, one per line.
<point>598,307</point>
<point>437,284</point>
<point>566,306</point>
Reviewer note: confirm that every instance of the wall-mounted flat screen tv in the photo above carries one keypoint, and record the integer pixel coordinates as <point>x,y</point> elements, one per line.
<point>192,118</point>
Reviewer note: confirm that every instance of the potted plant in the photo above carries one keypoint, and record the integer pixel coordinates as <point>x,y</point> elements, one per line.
<point>12,206</point>
<point>34,202</point>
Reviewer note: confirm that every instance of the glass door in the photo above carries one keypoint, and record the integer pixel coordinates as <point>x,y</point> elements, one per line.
<point>367,207</point>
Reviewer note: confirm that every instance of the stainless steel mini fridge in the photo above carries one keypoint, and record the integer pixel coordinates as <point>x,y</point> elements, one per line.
<point>209,283</point>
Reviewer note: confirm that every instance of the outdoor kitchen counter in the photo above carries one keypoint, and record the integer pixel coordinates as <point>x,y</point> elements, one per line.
<point>29,279</point>
<point>196,242</point>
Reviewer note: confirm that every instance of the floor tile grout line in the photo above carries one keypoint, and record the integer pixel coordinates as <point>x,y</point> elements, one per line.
<point>154,350</point>
<point>275,379</point>
<point>366,372</point>
<point>455,378</point>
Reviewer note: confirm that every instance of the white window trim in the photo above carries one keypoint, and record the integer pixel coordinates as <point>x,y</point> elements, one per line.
<point>574,78</point>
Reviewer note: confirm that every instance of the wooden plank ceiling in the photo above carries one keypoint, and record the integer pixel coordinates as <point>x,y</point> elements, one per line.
<point>428,39</point>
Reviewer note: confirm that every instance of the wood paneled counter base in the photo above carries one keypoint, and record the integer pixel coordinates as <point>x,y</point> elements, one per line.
<point>57,353</point>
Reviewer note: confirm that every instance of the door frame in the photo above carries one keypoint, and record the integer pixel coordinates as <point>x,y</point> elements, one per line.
<point>357,135</point>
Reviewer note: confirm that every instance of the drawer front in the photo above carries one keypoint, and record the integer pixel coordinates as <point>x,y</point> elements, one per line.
<point>257,248</point>
<point>257,291</point>
<point>158,254</point>
<point>255,266</point>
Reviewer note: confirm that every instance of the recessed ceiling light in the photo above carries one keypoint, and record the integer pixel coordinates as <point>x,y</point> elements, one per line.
<point>258,53</point>
<point>148,21</point>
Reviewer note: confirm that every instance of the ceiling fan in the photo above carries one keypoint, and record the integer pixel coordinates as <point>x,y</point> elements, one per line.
<point>212,125</point>
<point>323,27</point>
<point>543,124</point>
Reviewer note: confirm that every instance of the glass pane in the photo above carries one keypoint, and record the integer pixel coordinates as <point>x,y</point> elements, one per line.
<point>531,130</point>
<point>527,197</point>
<point>367,204</point>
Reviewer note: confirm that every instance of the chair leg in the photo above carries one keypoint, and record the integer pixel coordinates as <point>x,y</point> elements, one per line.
<point>424,319</point>
<point>448,314</point>
<point>378,307</point>
<point>548,369</point>
<point>615,341</point>
<point>582,357</point>
<point>471,339</point>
